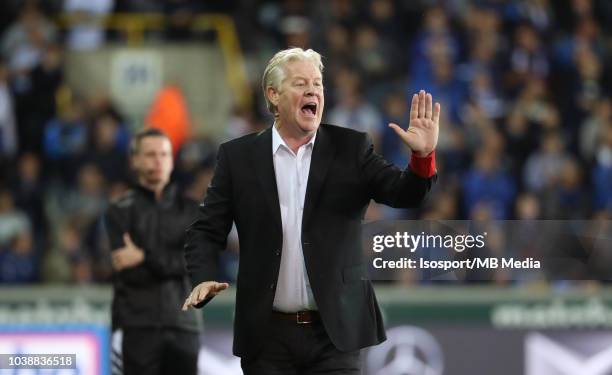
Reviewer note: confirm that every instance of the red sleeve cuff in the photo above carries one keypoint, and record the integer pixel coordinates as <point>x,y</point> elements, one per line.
<point>423,166</point>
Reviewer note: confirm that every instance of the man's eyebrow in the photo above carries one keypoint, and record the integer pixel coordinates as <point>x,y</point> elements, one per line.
<point>304,78</point>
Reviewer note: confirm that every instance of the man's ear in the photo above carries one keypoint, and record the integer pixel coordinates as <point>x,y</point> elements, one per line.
<point>273,95</point>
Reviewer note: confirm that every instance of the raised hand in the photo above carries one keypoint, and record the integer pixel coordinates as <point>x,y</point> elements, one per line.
<point>422,133</point>
<point>203,291</point>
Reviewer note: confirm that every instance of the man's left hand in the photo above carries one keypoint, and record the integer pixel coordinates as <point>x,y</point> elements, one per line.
<point>128,256</point>
<point>422,133</point>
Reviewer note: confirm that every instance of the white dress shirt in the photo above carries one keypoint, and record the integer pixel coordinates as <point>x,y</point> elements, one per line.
<point>293,292</point>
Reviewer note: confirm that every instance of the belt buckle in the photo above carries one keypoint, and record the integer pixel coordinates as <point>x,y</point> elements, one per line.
<point>298,319</point>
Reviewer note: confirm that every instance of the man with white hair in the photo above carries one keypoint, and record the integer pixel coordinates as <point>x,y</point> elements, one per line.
<point>297,192</point>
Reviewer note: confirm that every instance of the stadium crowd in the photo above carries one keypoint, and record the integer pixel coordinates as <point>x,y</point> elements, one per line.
<point>525,88</point>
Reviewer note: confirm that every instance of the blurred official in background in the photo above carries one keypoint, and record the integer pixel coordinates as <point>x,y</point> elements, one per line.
<point>146,229</point>
<point>297,193</point>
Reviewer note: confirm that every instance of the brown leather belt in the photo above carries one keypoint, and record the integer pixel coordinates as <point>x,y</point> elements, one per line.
<point>300,317</point>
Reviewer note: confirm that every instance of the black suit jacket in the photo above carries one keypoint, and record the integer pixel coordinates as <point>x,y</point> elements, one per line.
<point>345,173</point>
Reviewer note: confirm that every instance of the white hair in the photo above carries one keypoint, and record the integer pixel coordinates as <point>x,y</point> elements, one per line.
<point>275,73</point>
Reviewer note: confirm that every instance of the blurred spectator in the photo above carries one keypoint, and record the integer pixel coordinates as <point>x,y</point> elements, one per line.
<point>566,199</point>
<point>584,35</point>
<point>482,135</point>
<point>337,42</point>
<point>523,129</point>
<point>483,93</point>
<point>65,142</point>
<point>86,31</point>
<point>535,104</point>
<point>593,129</point>
<point>444,206</point>
<point>18,264</point>
<point>241,123</point>
<point>35,101</point>
<point>485,43</point>
<point>377,60</point>
<point>13,221</point>
<point>571,11</point>
<point>28,47</point>
<point>33,61</point>
<point>197,189</point>
<point>99,105</point>
<point>602,173</point>
<point>528,58</point>
<point>84,202</point>
<point>342,11</point>
<point>444,85</point>
<point>543,168</point>
<point>108,150</point>
<point>527,207</point>
<point>521,138</point>
<point>8,131</point>
<point>352,110</point>
<point>434,42</point>
<point>28,192</point>
<point>196,154</point>
<point>169,113</point>
<point>296,30</point>
<point>384,16</point>
<point>586,84</point>
<point>67,261</point>
<point>482,21</point>
<point>488,188</point>
<point>474,120</point>
<point>535,12</point>
<point>23,42</point>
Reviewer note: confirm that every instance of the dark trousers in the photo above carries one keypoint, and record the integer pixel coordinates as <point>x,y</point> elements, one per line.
<point>159,351</point>
<point>300,349</point>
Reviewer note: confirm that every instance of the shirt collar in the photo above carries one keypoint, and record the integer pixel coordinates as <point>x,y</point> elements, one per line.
<point>167,194</point>
<point>277,140</point>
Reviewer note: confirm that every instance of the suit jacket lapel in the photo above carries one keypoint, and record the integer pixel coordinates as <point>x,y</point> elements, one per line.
<point>264,168</point>
<point>322,157</point>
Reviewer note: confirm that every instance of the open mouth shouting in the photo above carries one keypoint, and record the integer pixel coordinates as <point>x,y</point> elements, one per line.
<point>310,109</point>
